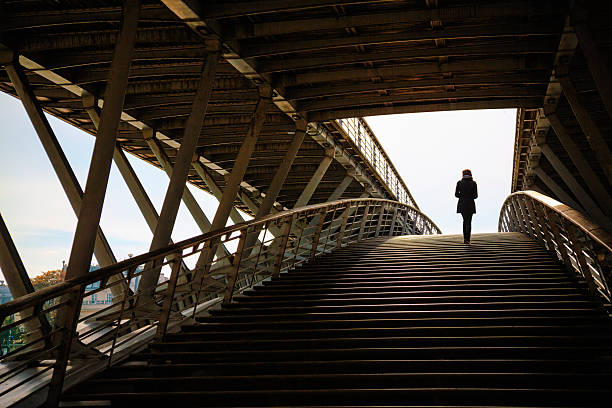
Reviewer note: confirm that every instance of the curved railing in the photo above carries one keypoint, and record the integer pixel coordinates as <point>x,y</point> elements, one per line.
<point>56,332</point>
<point>581,245</point>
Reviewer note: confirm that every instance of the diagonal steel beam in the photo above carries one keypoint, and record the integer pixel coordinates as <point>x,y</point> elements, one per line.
<point>190,202</point>
<point>60,163</point>
<point>17,278</point>
<point>590,129</point>
<point>97,178</point>
<point>587,173</point>
<point>316,178</point>
<point>596,60</point>
<point>180,172</point>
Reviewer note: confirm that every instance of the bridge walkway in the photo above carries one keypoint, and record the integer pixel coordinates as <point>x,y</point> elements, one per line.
<point>401,321</point>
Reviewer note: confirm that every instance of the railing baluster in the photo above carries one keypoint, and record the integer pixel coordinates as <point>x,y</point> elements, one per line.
<point>580,258</point>
<point>363,222</point>
<point>285,231</point>
<point>340,238</point>
<point>381,215</point>
<point>130,325</point>
<point>66,328</point>
<point>316,236</point>
<point>568,233</point>
<point>164,318</point>
<point>393,222</point>
<point>231,281</point>
<point>534,219</point>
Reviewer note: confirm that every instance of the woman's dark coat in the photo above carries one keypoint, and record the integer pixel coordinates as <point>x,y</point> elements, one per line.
<point>466,191</point>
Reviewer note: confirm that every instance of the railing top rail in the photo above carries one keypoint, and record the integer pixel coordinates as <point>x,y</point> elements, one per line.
<point>106,272</point>
<point>597,233</point>
<point>366,127</point>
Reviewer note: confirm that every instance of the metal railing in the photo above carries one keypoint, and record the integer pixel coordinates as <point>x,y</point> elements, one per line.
<point>581,245</point>
<point>363,139</point>
<point>63,346</point>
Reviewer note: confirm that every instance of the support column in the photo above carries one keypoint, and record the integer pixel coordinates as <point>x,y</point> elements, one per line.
<point>316,178</point>
<point>12,267</point>
<point>589,127</point>
<point>95,190</point>
<point>583,197</point>
<point>235,178</point>
<point>277,182</point>
<point>242,160</point>
<point>190,202</point>
<point>18,280</point>
<point>216,191</point>
<point>341,188</point>
<point>586,171</point>
<point>59,161</point>
<point>283,170</point>
<point>176,187</point>
<point>97,178</point>
<point>126,170</point>
<point>595,61</point>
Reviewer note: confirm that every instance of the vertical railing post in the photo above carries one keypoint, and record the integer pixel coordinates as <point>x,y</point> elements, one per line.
<point>162,325</point>
<point>340,237</point>
<point>580,258</point>
<point>317,235</point>
<point>537,210</point>
<point>366,213</point>
<point>519,224</point>
<point>393,222</point>
<point>557,237</point>
<point>64,340</point>
<point>381,216</point>
<point>233,274</point>
<point>534,218</point>
<point>525,216</point>
<point>285,231</point>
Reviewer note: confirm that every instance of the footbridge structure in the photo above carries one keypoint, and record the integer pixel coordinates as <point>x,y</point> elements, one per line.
<point>261,104</point>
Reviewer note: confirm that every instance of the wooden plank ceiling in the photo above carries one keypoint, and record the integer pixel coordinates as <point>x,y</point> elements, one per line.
<point>324,59</point>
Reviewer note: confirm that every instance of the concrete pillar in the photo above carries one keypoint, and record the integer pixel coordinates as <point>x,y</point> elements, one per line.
<point>589,128</point>
<point>176,187</point>
<point>316,178</point>
<point>580,162</point>
<point>97,178</point>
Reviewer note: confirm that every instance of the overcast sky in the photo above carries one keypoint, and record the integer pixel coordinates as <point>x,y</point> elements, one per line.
<point>429,151</point>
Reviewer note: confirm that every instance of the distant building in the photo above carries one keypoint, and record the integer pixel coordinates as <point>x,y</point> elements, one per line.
<point>91,303</point>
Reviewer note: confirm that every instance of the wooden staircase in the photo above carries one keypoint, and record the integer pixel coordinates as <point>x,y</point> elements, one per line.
<point>406,321</point>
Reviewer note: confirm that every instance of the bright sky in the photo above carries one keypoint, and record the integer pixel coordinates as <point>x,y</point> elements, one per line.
<point>429,151</point>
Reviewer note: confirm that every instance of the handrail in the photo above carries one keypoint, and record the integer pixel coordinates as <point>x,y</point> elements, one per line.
<point>101,339</point>
<point>583,246</point>
<point>361,137</point>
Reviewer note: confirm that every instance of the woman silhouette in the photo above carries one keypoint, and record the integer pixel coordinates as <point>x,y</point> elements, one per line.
<point>466,191</point>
